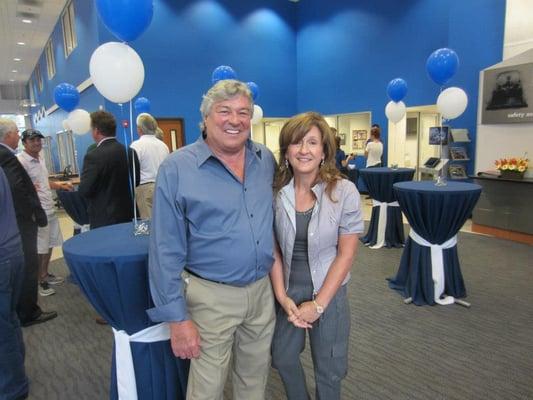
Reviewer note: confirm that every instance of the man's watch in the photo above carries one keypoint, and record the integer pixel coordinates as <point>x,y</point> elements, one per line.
<point>319,308</point>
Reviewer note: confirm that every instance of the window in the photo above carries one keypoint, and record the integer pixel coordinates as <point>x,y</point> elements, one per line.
<point>38,77</point>
<point>69,32</point>
<point>50,61</point>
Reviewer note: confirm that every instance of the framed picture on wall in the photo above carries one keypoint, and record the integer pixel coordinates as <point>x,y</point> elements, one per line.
<point>342,136</point>
<point>359,138</point>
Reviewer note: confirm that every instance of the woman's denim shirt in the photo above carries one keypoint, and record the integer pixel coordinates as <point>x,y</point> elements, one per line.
<point>328,220</point>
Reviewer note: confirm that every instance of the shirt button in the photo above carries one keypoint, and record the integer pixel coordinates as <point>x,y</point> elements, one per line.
<point>251,215</point>
<point>245,189</point>
<point>257,242</point>
<point>311,234</point>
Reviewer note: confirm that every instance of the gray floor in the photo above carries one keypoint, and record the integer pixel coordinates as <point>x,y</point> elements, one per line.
<point>397,351</point>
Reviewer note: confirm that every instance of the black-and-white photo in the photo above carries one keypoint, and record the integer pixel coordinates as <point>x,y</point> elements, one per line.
<point>508,95</point>
<point>438,135</point>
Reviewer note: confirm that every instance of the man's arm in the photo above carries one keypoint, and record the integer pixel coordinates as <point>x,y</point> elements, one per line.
<point>25,198</point>
<point>89,176</point>
<point>167,258</point>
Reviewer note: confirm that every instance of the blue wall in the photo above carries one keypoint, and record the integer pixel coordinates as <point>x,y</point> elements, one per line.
<point>349,51</point>
<point>332,57</point>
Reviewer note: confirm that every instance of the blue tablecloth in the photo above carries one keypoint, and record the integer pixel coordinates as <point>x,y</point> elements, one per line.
<point>110,264</point>
<point>379,183</point>
<point>75,206</point>
<point>436,213</point>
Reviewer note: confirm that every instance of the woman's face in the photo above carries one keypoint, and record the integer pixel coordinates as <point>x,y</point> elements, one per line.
<point>306,155</point>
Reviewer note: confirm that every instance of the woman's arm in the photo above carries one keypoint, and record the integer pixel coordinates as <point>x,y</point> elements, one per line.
<point>347,247</point>
<point>278,285</point>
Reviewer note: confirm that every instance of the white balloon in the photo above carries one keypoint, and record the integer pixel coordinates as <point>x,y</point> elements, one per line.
<point>117,71</point>
<point>258,114</point>
<point>79,121</point>
<point>395,111</point>
<point>452,102</point>
<point>65,124</point>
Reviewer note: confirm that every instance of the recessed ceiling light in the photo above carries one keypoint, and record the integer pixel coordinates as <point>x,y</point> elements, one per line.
<point>21,43</point>
<point>16,59</point>
<point>11,80</point>
<point>14,70</point>
<point>27,21</point>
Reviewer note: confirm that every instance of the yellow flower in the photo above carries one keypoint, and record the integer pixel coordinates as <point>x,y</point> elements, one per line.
<point>521,168</point>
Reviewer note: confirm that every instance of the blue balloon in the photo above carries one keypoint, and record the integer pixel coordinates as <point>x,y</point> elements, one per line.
<point>254,89</point>
<point>223,72</point>
<point>142,105</point>
<point>397,89</point>
<point>442,64</point>
<point>126,19</point>
<point>66,96</point>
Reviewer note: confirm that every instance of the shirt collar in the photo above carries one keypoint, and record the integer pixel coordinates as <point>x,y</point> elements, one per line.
<point>288,192</point>
<point>105,139</point>
<point>28,157</point>
<point>204,152</point>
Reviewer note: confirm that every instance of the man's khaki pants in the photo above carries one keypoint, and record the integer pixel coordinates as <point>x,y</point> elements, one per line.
<point>144,194</point>
<point>236,321</point>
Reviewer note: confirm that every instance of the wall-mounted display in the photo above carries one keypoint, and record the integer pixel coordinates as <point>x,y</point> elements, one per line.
<point>359,139</point>
<point>508,95</point>
<point>438,135</point>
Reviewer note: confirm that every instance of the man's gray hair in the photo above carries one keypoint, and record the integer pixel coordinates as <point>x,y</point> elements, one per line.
<point>224,90</point>
<point>6,126</point>
<point>147,124</point>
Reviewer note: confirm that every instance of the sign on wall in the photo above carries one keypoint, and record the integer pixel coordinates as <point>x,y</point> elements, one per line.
<point>508,95</point>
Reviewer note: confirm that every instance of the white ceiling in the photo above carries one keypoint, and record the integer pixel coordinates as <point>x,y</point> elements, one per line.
<point>44,14</point>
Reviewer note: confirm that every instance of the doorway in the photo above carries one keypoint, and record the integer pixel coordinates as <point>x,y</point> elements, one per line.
<point>173,133</point>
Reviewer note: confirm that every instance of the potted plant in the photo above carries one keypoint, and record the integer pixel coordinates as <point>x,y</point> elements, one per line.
<point>512,168</point>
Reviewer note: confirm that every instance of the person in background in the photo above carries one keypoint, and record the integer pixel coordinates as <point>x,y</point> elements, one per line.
<point>30,215</point>
<point>105,179</point>
<point>341,160</point>
<point>13,379</point>
<point>150,153</point>
<point>49,236</point>
<point>317,221</point>
<point>211,249</point>
<point>374,148</point>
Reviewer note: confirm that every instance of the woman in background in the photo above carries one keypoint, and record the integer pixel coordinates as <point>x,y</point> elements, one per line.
<point>374,149</point>
<point>317,222</point>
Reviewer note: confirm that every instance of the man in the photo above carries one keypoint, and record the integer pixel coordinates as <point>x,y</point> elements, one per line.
<point>104,180</point>
<point>49,236</point>
<point>13,380</point>
<point>150,152</point>
<point>30,215</point>
<point>212,221</point>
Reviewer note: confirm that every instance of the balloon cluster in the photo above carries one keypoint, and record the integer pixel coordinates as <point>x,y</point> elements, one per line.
<point>395,109</point>
<point>223,72</point>
<point>442,65</point>
<point>67,98</point>
<point>115,68</point>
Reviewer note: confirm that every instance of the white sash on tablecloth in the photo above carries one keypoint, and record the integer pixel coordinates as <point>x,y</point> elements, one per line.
<point>382,223</point>
<point>126,384</point>
<point>437,265</point>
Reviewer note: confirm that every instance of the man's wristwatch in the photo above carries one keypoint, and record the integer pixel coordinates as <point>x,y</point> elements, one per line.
<point>319,308</point>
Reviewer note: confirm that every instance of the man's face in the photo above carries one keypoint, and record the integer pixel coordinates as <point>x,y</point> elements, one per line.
<point>228,125</point>
<point>33,146</point>
<point>12,138</point>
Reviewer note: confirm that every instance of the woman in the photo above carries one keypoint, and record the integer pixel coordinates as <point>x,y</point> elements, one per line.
<point>374,149</point>
<point>318,218</point>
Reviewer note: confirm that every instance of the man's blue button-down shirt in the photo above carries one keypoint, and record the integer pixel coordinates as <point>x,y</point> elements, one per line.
<point>206,220</point>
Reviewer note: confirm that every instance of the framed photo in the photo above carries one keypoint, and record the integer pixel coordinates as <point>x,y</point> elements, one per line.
<point>507,94</point>
<point>438,135</point>
<point>342,136</point>
<point>457,171</point>
<point>458,153</point>
<point>359,137</point>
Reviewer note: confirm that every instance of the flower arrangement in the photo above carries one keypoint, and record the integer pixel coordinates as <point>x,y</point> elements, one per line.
<point>517,164</point>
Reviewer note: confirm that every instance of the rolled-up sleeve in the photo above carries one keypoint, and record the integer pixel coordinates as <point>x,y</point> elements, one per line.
<point>351,220</point>
<point>168,248</point>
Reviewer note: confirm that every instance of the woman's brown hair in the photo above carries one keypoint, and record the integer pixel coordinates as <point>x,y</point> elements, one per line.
<point>292,132</point>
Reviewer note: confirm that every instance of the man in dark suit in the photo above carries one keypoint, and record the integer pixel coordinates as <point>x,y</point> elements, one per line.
<point>105,180</point>
<point>29,215</point>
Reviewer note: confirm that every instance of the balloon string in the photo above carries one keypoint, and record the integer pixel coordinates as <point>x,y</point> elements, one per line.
<point>130,178</point>
<point>133,168</point>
